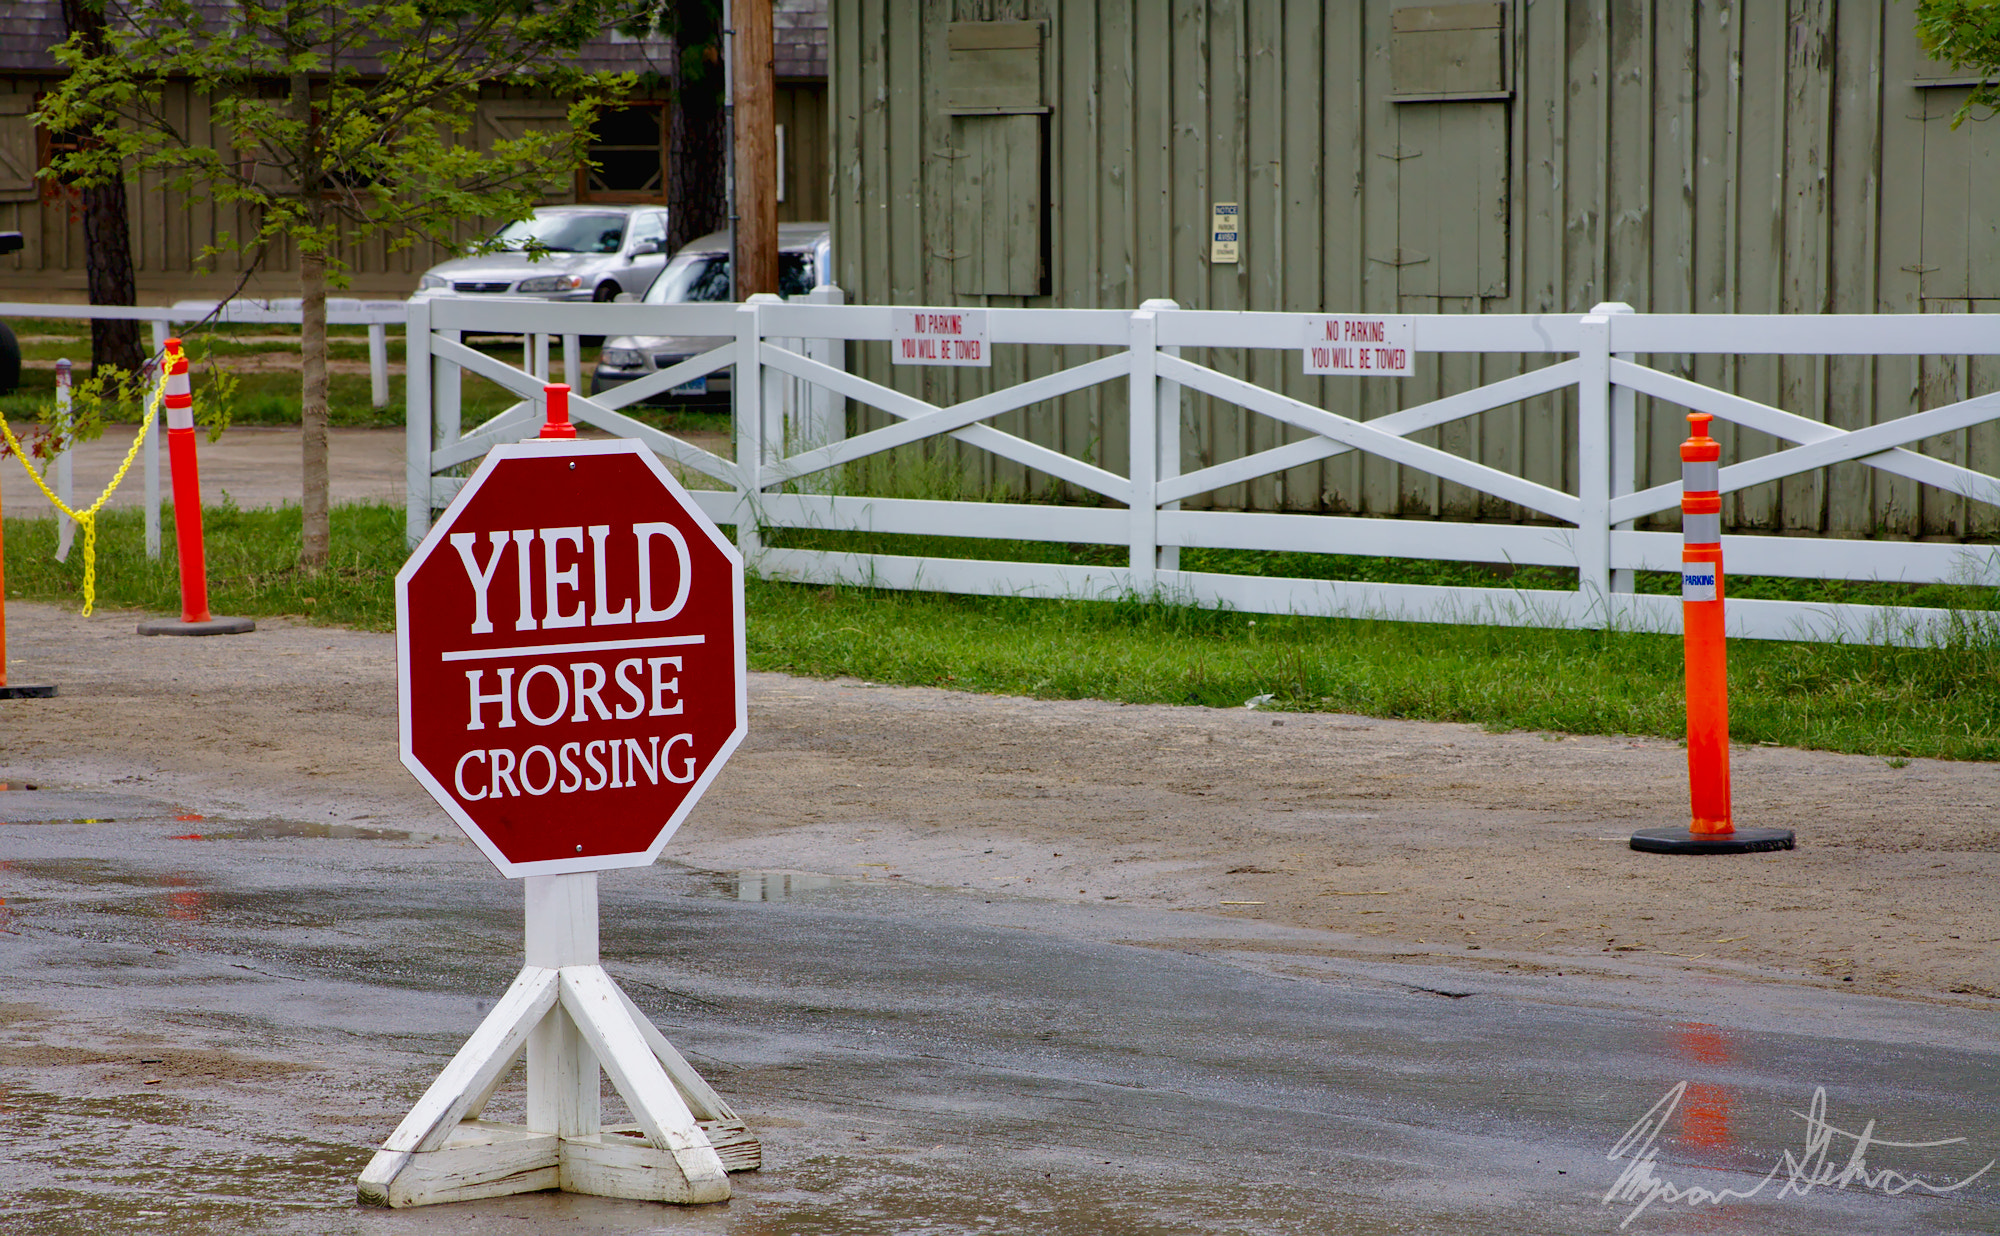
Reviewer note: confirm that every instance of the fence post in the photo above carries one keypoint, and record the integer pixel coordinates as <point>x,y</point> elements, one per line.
<point>1168,437</point>
<point>1593,468</point>
<point>378,363</point>
<point>63,465</point>
<point>418,440</point>
<point>447,384</point>
<point>827,417</point>
<point>746,389</point>
<point>1143,423</point>
<point>572,346</point>
<point>1624,441</point>
<point>160,332</point>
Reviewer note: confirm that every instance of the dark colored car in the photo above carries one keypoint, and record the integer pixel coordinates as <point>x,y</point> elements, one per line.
<point>10,347</point>
<point>698,273</point>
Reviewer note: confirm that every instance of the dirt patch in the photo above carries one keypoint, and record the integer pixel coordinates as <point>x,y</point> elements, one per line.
<point>1405,839</point>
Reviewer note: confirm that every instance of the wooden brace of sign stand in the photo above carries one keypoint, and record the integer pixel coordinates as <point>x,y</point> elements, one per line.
<point>569,1018</point>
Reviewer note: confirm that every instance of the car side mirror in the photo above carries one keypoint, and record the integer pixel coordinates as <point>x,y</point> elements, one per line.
<point>646,248</point>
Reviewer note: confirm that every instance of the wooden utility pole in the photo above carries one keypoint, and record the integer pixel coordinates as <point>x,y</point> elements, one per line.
<point>756,150</point>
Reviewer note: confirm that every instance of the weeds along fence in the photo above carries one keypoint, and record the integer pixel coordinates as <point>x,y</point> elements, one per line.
<point>794,451</point>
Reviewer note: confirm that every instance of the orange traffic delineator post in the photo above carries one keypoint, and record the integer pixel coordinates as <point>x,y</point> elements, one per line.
<point>1709,830</point>
<point>7,692</point>
<point>195,618</point>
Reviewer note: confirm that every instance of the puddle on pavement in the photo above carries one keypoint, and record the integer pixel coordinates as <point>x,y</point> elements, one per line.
<point>34,803</point>
<point>279,830</point>
<point>772,885</point>
<point>95,871</point>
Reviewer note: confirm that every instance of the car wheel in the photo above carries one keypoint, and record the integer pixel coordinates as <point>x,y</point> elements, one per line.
<point>606,291</point>
<point>10,360</point>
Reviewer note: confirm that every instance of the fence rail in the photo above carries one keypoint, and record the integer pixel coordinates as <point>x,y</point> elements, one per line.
<point>376,315</point>
<point>791,438</point>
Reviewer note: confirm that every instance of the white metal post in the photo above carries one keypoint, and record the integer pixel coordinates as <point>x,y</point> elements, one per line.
<point>1593,466</point>
<point>1167,557</point>
<point>418,429</point>
<point>1143,421</point>
<point>1624,442</point>
<point>378,363</point>
<point>573,362</point>
<point>563,1080</point>
<point>160,332</point>
<point>541,369</point>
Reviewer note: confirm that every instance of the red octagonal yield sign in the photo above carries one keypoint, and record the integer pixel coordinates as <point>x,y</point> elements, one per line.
<point>570,637</point>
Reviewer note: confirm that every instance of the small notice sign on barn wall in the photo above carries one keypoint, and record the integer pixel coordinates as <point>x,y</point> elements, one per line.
<point>1225,236</point>
<point>940,337</point>
<point>1357,345</point>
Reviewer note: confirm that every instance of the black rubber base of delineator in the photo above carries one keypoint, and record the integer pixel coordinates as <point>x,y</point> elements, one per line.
<point>28,693</point>
<point>214,626</point>
<point>1682,841</point>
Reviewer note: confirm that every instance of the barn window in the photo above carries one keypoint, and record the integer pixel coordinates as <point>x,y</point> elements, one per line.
<point>629,146</point>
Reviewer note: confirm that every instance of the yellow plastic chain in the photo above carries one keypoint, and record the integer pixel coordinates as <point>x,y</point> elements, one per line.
<point>87,518</point>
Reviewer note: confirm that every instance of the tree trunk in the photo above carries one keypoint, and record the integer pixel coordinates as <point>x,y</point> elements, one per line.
<point>314,532</point>
<point>107,256</point>
<point>107,232</point>
<point>697,152</point>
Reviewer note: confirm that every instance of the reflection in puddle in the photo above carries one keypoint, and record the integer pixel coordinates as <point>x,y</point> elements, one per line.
<point>774,885</point>
<point>276,830</point>
<point>187,904</point>
<point>1706,1107</point>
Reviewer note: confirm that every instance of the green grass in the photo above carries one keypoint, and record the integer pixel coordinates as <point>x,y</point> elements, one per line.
<point>1891,702</point>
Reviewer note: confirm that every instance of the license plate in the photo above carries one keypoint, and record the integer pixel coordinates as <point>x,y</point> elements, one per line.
<point>699,386</point>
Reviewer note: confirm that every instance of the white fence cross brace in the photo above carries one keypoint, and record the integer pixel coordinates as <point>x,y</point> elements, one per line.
<point>793,386</point>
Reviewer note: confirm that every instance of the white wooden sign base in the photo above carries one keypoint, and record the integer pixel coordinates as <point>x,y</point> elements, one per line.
<point>568,1017</point>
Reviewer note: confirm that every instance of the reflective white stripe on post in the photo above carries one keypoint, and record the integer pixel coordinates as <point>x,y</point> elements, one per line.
<point>180,397</point>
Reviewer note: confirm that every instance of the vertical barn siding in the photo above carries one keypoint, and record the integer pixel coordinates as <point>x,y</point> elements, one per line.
<point>1678,155</point>
<point>170,231</point>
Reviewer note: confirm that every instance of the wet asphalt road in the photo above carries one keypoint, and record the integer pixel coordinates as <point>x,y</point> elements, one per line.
<point>210,1035</point>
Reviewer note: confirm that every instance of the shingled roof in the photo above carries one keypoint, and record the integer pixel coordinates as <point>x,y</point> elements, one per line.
<point>29,28</point>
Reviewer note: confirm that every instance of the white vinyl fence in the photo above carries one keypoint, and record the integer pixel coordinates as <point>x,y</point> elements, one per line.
<point>376,315</point>
<point>795,351</point>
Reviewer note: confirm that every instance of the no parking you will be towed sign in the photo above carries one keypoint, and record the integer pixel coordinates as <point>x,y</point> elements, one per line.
<point>570,639</point>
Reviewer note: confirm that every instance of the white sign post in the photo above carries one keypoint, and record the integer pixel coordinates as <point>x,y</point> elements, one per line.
<point>565,564</point>
<point>1360,346</point>
<point>940,337</point>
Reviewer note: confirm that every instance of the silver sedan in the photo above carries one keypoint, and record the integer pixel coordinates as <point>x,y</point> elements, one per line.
<point>562,253</point>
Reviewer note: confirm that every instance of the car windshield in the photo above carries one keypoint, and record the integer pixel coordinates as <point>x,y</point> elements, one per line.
<point>694,277</point>
<point>565,233</point>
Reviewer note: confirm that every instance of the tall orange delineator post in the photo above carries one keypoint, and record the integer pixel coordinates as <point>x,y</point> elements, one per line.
<point>195,618</point>
<point>1709,830</point>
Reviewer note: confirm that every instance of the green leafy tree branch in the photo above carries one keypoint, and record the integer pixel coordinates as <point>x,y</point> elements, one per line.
<point>1966,35</point>
<point>329,123</point>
